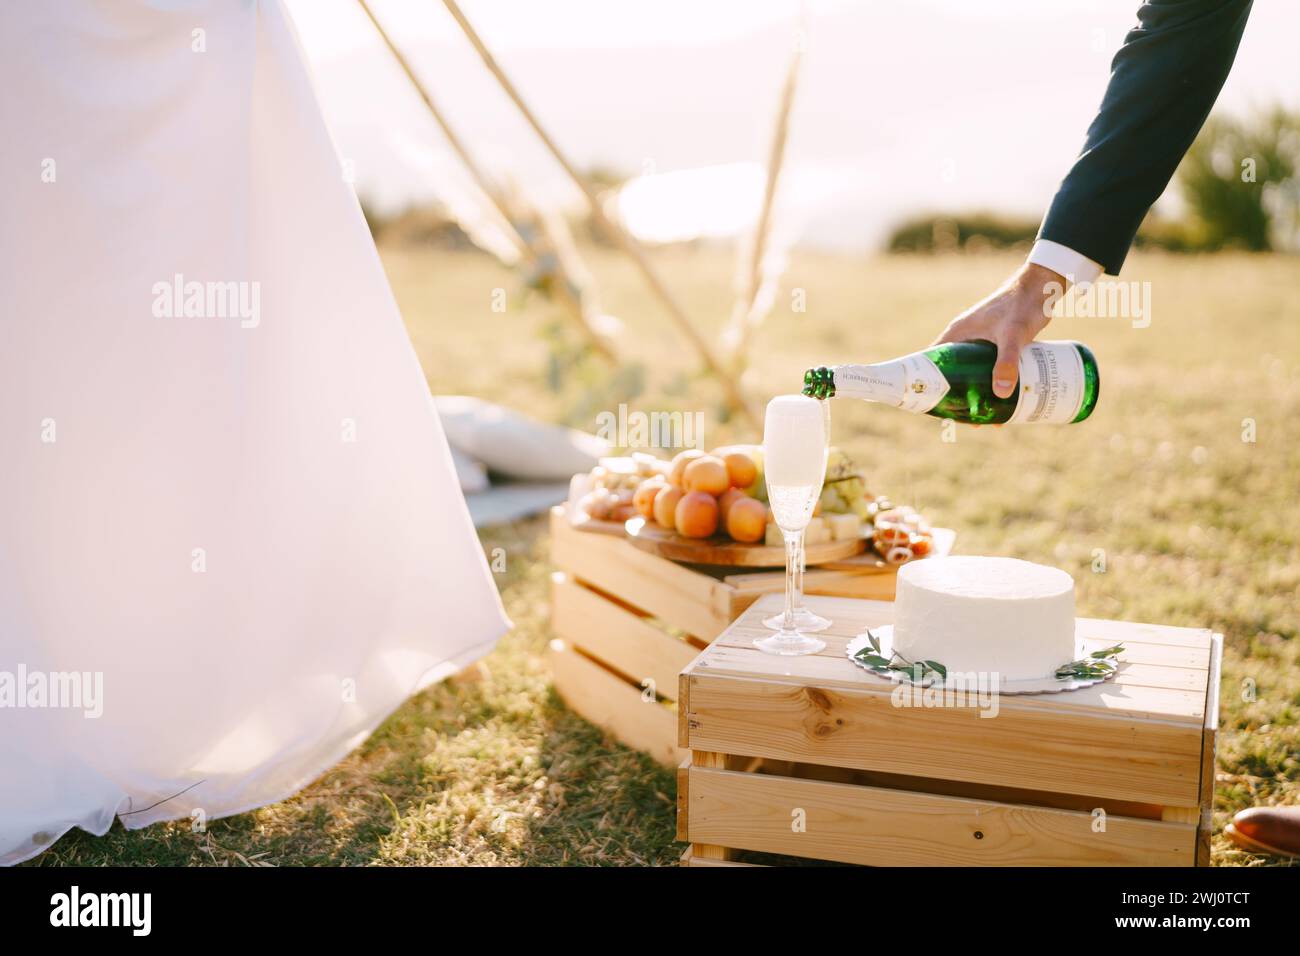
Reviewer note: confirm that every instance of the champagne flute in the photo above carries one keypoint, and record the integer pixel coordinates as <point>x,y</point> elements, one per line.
<point>805,620</point>
<point>794,462</point>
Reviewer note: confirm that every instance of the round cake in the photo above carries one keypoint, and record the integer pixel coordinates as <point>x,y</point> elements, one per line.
<point>985,614</point>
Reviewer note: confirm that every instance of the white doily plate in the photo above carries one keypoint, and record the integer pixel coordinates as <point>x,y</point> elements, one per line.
<point>1049,685</point>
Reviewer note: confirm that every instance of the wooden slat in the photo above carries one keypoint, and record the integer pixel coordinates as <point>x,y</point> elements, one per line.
<point>1137,738</point>
<point>1210,739</point>
<point>996,793</point>
<point>689,859</point>
<point>683,597</point>
<point>1190,815</point>
<point>683,709</point>
<point>1144,692</point>
<point>617,637</point>
<point>605,699</point>
<point>1164,655</point>
<point>1116,632</point>
<point>1086,753</point>
<point>683,792</point>
<point>1208,747</point>
<point>866,576</point>
<point>1203,837</point>
<point>846,584</point>
<point>700,849</point>
<point>725,553</point>
<point>735,655</point>
<point>853,824</point>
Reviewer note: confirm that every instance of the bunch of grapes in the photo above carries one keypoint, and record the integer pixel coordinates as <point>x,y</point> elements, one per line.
<point>845,491</point>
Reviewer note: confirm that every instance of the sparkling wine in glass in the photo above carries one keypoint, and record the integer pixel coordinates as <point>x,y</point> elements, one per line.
<point>794,463</point>
<point>805,620</point>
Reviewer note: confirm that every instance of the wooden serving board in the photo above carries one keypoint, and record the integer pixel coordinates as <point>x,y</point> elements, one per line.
<point>648,536</point>
<point>584,522</point>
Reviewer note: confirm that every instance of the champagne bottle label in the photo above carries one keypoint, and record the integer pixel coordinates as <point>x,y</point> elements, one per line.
<point>1051,384</point>
<point>912,383</point>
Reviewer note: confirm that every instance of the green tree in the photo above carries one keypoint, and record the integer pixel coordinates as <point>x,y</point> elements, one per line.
<point>1240,184</point>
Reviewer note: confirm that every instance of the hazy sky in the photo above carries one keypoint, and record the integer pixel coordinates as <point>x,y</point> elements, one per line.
<point>928,104</point>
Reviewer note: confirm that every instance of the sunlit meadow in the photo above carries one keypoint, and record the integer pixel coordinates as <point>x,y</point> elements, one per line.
<point>1193,522</point>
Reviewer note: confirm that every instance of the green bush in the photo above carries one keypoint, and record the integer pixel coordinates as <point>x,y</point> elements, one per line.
<point>1239,181</point>
<point>1240,184</point>
<point>973,231</point>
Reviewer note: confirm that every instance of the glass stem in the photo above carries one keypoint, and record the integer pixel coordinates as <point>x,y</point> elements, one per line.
<point>791,565</point>
<point>799,568</point>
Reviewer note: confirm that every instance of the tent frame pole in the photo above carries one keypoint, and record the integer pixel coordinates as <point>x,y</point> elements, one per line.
<point>562,290</point>
<point>625,241</point>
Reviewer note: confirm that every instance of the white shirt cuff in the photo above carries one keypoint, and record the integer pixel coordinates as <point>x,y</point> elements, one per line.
<point>1065,261</point>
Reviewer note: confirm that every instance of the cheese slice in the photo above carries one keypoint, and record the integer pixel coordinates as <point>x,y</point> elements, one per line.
<point>844,527</point>
<point>817,532</point>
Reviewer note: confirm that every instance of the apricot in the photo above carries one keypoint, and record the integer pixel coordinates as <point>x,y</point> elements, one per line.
<point>644,498</point>
<point>697,514</point>
<point>741,468</point>
<point>726,500</point>
<point>707,474</point>
<point>665,506</point>
<point>679,464</point>
<point>747,520</point>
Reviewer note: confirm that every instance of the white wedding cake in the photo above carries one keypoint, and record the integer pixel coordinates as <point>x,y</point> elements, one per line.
<point>985,614</point>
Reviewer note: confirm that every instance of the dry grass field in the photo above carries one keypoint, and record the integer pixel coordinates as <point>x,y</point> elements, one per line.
<point>1196,526</point>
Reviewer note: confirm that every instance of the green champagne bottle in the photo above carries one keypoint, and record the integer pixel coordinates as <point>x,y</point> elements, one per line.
<point>1058,383</point>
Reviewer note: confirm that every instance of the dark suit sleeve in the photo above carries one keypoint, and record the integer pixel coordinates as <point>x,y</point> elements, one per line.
<point>1163,81</point>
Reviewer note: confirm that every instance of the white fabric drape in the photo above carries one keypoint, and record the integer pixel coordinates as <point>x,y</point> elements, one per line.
<point>246,520</point>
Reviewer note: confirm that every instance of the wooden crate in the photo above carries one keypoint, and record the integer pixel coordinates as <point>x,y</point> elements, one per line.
<point>1117,774</point>
<point>627,622</point>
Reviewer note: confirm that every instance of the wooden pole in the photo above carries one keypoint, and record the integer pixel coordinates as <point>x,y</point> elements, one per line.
<point>621,236</point>
<point>775,160</point>
<point>742,316</point>
<point>489,188</point>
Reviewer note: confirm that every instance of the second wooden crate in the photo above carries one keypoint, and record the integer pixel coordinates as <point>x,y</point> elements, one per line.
<point>812,757</point>
<point>627,622</point>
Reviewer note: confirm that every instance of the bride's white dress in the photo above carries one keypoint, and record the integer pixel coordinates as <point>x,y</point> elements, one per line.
<point>245,522</point>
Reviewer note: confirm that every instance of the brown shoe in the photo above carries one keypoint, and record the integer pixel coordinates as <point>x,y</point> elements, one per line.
<point>1273,830</point>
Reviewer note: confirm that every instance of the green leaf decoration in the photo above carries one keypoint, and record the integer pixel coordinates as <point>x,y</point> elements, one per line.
<point>937,668</point>
<point>873,660</point>
<point>918,672</point>
<point>1096,666</point>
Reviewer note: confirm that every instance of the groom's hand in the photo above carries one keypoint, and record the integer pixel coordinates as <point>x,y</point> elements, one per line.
<point>1009,318</point>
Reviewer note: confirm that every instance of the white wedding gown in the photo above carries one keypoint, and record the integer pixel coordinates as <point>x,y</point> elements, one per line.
<point>245,522</point>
